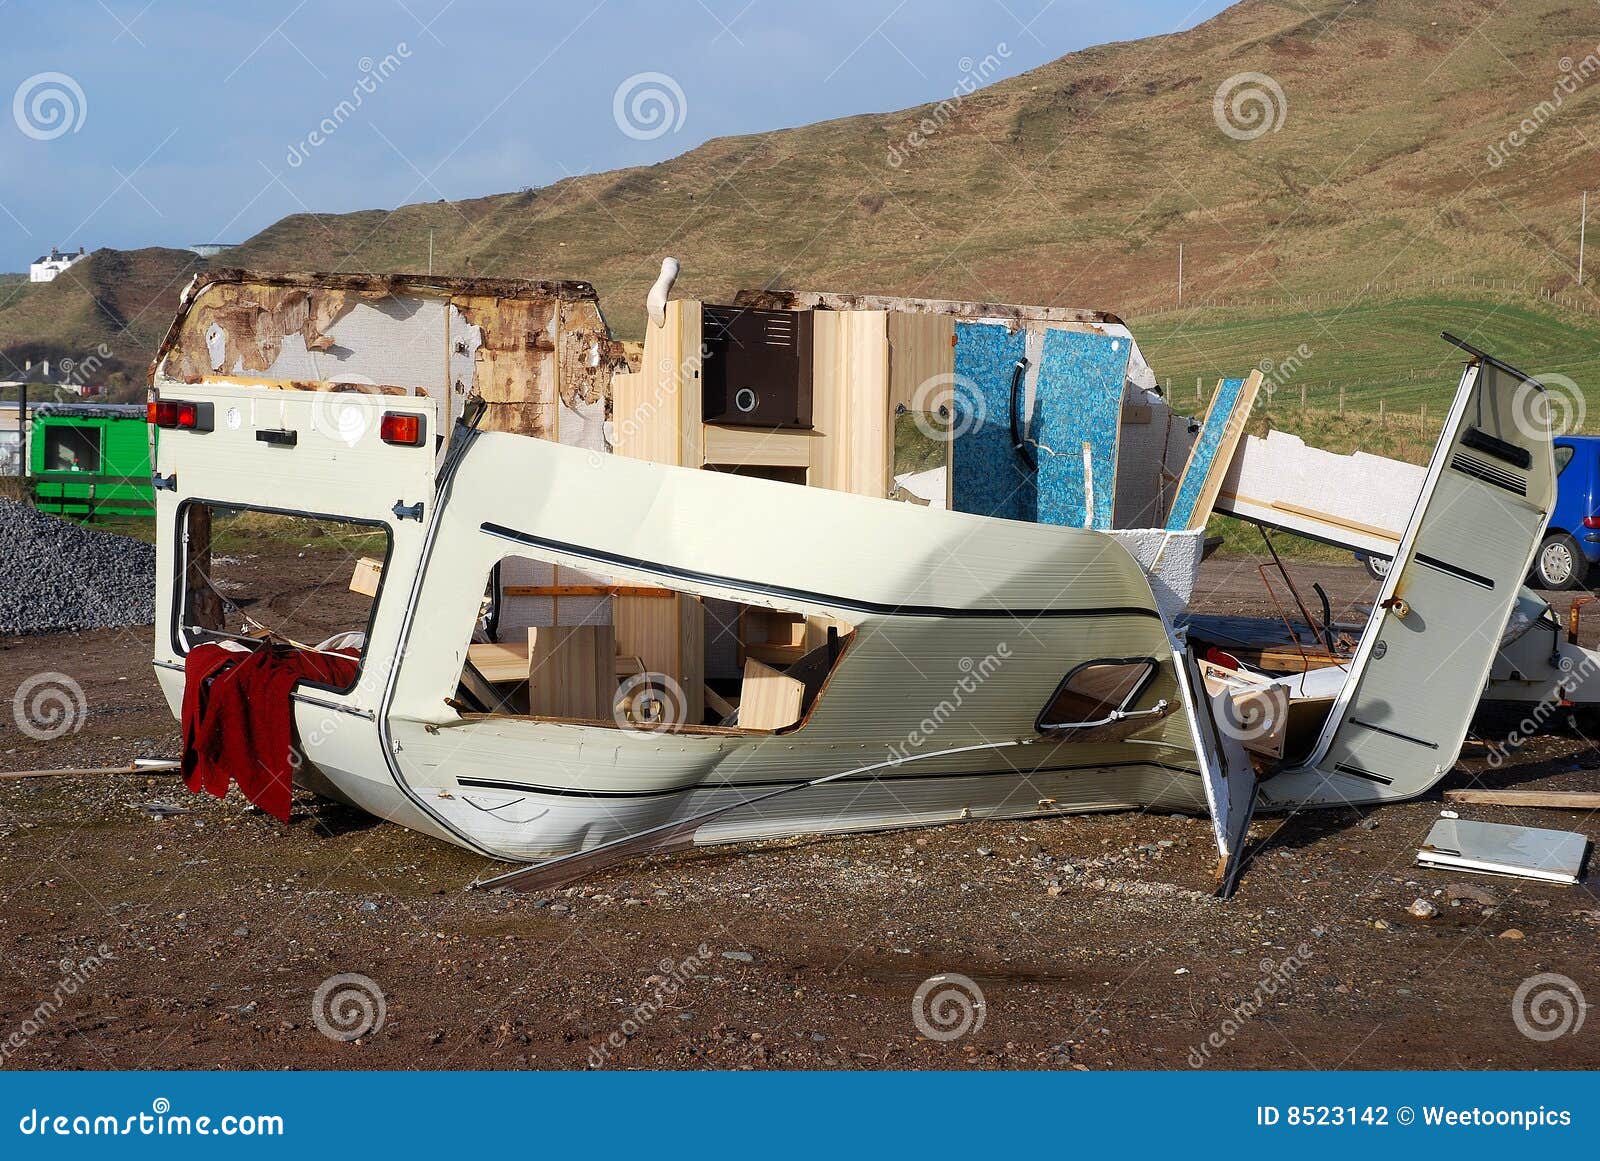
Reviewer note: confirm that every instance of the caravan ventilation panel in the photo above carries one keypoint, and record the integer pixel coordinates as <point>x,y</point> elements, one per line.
<point>756,370</point>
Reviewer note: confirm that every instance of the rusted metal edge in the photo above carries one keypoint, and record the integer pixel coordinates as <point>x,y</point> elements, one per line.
<point>828,300</point>
<point>426,285</point>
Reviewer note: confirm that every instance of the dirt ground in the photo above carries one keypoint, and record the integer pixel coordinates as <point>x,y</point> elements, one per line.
<point>1093,939</point>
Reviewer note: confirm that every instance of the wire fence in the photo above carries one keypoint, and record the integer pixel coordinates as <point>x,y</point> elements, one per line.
<point>1578,299</point>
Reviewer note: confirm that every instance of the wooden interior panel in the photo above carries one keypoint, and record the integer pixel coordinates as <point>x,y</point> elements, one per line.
<point>572,671</point>
<point>767,699</point>
<point>850,402</point>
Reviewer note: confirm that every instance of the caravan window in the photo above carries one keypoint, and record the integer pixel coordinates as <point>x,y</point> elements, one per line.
<point>555,642</point>
<point>71,449</point>
<point>246,572</point>
<point>1091,693</point>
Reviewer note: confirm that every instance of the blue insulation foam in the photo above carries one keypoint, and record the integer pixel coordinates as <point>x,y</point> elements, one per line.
<point>1204,453</point>
<point>987,477</point>
<point>1078,402</point>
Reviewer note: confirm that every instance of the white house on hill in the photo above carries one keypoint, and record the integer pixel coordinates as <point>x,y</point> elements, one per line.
<point>45,269</point>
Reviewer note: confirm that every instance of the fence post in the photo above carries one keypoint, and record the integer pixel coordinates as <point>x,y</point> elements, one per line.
<point>1341,399</point>
<point>1381,421</point>
<point>1197,389</point>
<point>1302,396</point>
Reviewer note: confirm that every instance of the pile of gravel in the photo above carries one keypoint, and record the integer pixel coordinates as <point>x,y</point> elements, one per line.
<point>56,574</point>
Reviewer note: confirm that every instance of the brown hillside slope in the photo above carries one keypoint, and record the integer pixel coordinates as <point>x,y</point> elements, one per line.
<point>113,307</point>
<point>1074,183</point>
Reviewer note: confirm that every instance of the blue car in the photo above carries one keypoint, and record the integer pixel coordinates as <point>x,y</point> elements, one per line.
<point>1572,542</point>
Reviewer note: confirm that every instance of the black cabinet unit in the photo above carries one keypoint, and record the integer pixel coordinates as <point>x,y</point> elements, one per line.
<point>756,367</point>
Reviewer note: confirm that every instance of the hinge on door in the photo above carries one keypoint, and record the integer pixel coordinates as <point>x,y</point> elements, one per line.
<point>162,483</point>
<point>404,511</point>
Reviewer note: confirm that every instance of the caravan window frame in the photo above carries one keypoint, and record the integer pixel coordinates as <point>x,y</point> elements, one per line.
<point>1152,669</point>
<point>180,589</point>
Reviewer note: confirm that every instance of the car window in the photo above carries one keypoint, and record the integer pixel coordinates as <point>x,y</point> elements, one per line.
<point>1563,458</point>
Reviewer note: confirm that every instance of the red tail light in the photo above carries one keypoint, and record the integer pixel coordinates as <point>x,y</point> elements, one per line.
<point>403,430</point>
<point>1591,521</point>
<point>179,413</point>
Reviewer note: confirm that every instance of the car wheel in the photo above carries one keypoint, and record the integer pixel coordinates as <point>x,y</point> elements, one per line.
<point>1560,564</point>
<point>1377,567</point>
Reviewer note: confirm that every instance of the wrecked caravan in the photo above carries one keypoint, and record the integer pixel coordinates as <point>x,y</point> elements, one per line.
<point>807,563</point>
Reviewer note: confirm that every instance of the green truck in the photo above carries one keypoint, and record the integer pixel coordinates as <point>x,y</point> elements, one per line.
<point>90,459</point>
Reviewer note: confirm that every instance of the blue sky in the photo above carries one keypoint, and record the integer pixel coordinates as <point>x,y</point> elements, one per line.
<point>158,122</point>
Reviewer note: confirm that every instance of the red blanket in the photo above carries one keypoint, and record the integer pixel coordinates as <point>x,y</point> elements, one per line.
<point>238,720</point>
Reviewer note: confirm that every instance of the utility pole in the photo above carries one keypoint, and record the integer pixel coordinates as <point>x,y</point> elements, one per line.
<point>430,249</point>
<point>1583,222</point>
<point>1180,273</point>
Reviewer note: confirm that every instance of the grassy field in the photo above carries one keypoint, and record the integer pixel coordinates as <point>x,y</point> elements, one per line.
<point>1389,351</point>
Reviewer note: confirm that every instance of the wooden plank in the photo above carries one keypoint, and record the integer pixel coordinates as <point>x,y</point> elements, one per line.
<point>572,671</point>
<point>161,767</point>
<point>1231,432</point>
<point>656,417</point>
<point>718,704</point>
<point>754,447</point>
<point>768,700</point>
<point>692,658</point>
<point>850,402</point>
<point>500,663</point>
<point>644,591</point>
<point>1554,799</point>
<point>683,316</point>
<point>367,574</point>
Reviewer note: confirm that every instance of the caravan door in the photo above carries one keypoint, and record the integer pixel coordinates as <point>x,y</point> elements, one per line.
<point>1397,725</point>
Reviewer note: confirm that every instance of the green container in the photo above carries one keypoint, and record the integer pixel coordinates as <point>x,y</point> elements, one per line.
<point>90,460</point>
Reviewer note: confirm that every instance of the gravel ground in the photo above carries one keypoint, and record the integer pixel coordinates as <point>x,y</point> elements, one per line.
<point>56,574</point>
